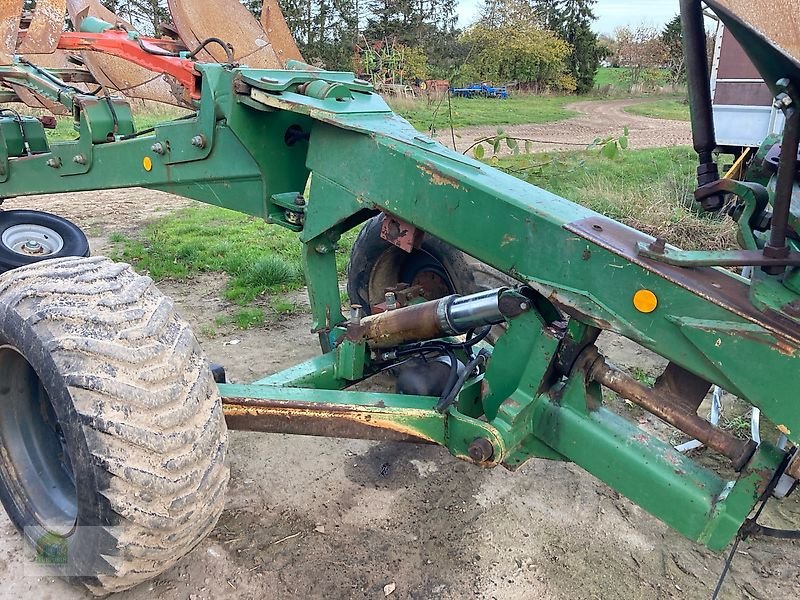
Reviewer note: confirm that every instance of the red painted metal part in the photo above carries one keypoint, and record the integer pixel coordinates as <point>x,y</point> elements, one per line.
<point>117,43</point>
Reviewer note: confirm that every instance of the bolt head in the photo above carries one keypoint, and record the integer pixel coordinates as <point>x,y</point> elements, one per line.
<point>158,148</point>
<point>79,159</point>
<point>480,450</point>
<point>199,141</point>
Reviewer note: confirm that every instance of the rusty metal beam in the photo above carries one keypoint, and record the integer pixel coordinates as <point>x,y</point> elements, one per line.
<point>332,413</point>
<point>303,418</point>
<point>667,409</point>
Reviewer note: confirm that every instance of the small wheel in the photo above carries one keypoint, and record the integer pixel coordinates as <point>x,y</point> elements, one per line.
<point>29,236</point>
<point>112,437</point>
<point>437,267</point>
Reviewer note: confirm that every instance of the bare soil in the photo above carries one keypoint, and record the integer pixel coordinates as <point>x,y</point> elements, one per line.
<point>325,518</point>
<point>596,119</point>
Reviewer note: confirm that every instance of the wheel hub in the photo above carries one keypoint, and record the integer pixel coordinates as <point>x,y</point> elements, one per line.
<point>30,239</point>
<point>32,247</point>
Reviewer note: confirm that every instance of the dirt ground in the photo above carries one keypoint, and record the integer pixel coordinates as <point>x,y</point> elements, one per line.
<point>325,518</point>
<point>596,119</point>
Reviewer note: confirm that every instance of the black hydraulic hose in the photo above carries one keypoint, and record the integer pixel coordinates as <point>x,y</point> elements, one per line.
<point>444,346</point>
<point>228,48</point>
<point>777,247</point>
<point>450,393</point>
<point>155,50</point>
<point>452,379</point>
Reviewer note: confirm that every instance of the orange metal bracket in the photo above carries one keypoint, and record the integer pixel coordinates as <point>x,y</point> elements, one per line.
<point>117,43</point>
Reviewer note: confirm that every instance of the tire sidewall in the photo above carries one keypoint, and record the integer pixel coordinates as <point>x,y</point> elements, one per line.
<point>88,539</point>
<point>369,247</point>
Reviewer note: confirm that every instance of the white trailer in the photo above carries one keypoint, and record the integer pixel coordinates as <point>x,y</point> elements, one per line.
<point>742,102</point>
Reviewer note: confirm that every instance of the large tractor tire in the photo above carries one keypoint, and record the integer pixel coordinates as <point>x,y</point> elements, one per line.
<point>440,269</point>
<point>112,437</point>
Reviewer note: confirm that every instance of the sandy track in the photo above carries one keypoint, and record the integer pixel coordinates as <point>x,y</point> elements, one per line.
<point>596,118</point>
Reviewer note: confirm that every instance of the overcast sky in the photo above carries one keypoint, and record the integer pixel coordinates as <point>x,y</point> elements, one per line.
<point>610,13</point>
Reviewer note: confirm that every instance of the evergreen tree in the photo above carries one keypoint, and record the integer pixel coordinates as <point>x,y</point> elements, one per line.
<point>572,20</point>
<point>672,38</point>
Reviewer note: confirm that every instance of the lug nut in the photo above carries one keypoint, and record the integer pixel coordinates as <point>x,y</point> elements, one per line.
<point>480,450</point>
<point>355,314</point>
<point>391,301</point>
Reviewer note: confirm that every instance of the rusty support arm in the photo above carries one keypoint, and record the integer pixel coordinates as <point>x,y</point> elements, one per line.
<point>674,413</point>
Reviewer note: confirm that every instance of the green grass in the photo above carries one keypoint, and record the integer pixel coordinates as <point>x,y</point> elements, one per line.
<point>617,80</point>
<point>665,108</point>
<point>283,307</point>
<point>467,112</point>
<point>650,190</point>
<point>613,76</point>
<point>258,258</point>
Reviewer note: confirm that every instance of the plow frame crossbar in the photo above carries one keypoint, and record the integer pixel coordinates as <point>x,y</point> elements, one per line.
<point>256,138</point>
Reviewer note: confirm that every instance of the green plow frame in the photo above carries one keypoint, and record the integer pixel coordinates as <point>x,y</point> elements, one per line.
<point>257,137</point>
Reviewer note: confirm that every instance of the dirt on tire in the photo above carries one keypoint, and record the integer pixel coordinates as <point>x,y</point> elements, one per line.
<point>139,410</point>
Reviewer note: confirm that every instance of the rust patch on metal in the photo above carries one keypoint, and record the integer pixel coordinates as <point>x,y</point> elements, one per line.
<point>439,178</point>
<point>777,20</point>
<point>117,73</point>
<point>401,234</point>
<point>10,12</point>
<point>666,409</point>
<point>42,34</point>
<point>229,20</point>
<point>507,239</point>
<point>394,327</point>
<point>278,33</point>
<point>304,418</point>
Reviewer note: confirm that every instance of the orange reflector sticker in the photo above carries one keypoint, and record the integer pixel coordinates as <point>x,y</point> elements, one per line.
<point>147,163</point>
<point>645,301</point>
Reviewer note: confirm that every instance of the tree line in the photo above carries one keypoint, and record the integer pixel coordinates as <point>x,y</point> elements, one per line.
<point>540,44</point>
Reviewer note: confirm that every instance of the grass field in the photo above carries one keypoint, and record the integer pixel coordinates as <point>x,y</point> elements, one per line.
<point>676,109</point>
<point>262,261</point>
<point>483,111</point>
<point>647,189</point>
<point>613,76</point>
<point>425,114</point>
<point>650,190</point>
<point>616,81</point>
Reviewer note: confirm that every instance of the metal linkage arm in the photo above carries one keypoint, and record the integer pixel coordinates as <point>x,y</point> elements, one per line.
<point>145,52</point>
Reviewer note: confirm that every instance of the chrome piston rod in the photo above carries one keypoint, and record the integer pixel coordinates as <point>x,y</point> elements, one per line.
<point>452,315</point>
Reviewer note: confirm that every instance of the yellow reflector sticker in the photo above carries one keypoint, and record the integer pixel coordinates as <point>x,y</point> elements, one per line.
<point>645,301</point>
<point>147,163</point>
